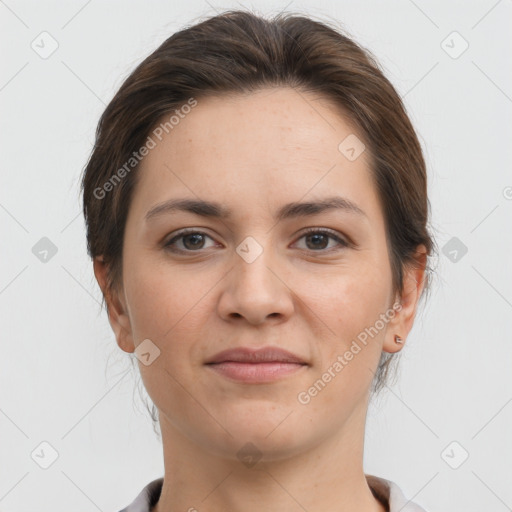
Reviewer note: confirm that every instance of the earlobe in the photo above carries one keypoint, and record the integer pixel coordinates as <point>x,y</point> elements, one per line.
<point>116,309</point>
<point>401,324</point>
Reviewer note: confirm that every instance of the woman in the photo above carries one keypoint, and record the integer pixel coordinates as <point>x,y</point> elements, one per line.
<point>256,209</point>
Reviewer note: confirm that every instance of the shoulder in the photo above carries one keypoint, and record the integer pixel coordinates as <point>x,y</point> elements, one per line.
<point>390,493</point>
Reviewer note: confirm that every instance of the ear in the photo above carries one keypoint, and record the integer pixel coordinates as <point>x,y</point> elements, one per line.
<point>403,320</point>
<point>116,308</point>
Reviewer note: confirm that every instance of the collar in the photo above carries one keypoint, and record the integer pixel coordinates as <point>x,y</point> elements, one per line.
<point>384,490</point>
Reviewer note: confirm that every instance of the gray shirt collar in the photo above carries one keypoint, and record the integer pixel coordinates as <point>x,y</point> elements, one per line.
<point>385,490</point>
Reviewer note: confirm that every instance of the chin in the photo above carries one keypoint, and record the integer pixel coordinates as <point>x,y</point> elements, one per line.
<point>268,432</point>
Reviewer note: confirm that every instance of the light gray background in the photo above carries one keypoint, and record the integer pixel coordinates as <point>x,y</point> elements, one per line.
<point>63,379</point>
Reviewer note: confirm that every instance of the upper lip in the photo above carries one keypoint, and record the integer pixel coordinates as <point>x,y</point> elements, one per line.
<point>251,355</point>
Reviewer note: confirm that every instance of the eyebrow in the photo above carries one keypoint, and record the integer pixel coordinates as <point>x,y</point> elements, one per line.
<point>288,211</point>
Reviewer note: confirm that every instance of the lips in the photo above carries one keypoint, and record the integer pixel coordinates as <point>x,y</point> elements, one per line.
<point>248,366</point>
<point>261,355</point>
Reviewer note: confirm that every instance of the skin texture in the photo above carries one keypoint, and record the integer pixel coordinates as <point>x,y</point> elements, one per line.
<point>254,153</point>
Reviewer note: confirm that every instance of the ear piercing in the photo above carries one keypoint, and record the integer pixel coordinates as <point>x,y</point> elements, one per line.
<point>398,340</point>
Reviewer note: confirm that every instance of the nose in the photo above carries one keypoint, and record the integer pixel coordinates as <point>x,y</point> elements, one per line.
<point>255,291</point>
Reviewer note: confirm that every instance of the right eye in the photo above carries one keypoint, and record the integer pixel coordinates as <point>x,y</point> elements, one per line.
<point>191,240</point>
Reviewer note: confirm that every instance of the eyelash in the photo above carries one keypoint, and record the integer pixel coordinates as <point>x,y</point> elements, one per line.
<point>324,231</point>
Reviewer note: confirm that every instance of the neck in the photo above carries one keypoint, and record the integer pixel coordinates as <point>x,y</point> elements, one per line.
<point>327,477</point>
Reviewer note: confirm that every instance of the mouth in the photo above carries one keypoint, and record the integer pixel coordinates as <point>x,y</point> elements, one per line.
<point>262,365</point>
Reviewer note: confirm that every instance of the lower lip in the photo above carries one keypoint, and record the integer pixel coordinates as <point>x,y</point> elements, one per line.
<point>256,372</point>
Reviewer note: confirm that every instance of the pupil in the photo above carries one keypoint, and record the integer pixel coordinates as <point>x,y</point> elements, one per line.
<point>197,237</point>
<point>316,237</point>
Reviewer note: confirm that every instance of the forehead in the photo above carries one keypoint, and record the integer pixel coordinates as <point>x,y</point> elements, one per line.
<point>276,120</point>
<point>270,146</point>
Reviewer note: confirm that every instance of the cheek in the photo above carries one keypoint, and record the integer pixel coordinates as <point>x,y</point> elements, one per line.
<point>348,356</point>
<point>347,309</point>
<point>350,298</point>
<point>362,301</point>
<point>170,308</point>
<point>164,301</point>
<point>174,310</point>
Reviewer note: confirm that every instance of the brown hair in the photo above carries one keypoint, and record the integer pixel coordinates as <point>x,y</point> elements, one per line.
<point>240,52</point>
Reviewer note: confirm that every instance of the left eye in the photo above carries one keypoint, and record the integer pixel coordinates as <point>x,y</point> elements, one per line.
<point>192,241</point>
<point>319,239</point>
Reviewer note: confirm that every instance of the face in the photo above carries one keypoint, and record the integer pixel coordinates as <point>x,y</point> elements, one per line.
<point>313,281</point>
